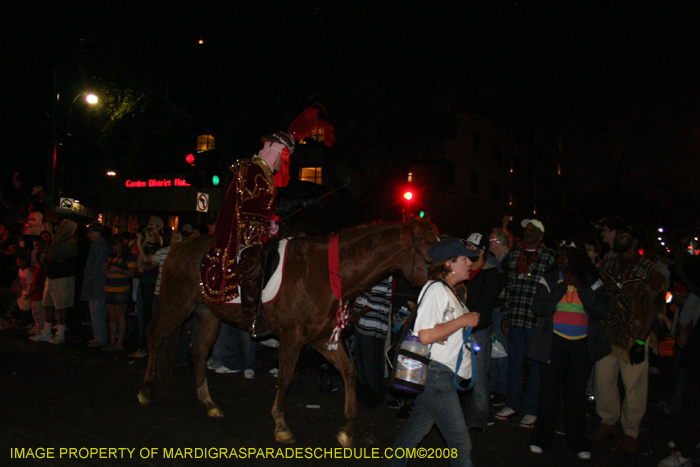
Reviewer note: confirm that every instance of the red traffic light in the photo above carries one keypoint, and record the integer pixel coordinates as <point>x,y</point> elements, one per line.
<point>408,196</point>
<point>190,159</point>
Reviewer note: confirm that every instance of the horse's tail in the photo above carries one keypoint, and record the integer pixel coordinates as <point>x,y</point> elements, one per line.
<point>163,356</point>
<point>179,295</point>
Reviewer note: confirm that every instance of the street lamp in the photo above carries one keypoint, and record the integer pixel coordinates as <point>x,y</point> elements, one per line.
<point>91,99</point>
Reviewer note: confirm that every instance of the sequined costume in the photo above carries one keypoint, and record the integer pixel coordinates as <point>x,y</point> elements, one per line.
<point>245,220</point>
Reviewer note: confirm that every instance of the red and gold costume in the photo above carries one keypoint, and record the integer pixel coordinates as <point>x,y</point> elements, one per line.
<point>245,220</point>
<point>248,214</point>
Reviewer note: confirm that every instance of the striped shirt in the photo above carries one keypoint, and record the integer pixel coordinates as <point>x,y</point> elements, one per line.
<point>120,282</point>
<point>375,323</point>
<point>570,319</point>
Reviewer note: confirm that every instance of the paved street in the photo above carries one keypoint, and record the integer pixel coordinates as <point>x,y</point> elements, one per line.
<point>71,396</point>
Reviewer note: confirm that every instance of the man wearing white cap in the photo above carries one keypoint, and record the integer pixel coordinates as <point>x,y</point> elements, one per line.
<point>526,266</point>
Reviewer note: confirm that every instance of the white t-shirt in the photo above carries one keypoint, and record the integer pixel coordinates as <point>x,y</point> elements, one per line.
<point>439,305</point>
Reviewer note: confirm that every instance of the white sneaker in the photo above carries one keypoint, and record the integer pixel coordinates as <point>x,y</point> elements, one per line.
<point>212,365</point>
<point>271,343</point>
<point>58,339</point>
<point>505,413</point>
<point>43,337</point>
<point>585,455</point>
<point>675,460</point>
<point>528,421</point>
<point>249,374</point>
<point>535,449</point>
<point>223,370</point>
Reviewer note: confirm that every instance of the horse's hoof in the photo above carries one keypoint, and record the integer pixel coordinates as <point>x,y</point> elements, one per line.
<point>143,399</point>
<point>215,412</point>
<point>285,437</point>
<point>344,439</point>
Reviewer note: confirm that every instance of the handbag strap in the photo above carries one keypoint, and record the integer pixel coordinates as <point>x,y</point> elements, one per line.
<point>467,332</point>
<point>411,320</point>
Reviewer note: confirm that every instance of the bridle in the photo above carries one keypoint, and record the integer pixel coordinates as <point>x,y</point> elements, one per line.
<point>416,252</point>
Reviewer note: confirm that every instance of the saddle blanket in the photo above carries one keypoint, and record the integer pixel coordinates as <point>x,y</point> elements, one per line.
<point>272,287</point>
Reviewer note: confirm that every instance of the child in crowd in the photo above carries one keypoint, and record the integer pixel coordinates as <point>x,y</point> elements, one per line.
<point>36,291</point>
<point>25,281</point>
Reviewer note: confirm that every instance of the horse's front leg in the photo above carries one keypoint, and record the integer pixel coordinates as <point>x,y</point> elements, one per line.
<point>339,359</point>
<point>290,346</point>
<point>209,326</point>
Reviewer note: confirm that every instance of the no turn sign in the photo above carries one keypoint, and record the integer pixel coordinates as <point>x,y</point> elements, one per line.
<point>66,203</point>
<point>202,202</point>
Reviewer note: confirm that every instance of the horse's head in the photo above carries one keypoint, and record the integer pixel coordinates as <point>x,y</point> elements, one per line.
<point>423,234</point>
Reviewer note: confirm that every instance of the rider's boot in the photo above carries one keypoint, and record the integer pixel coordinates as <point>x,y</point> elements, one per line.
<point>251,274</point>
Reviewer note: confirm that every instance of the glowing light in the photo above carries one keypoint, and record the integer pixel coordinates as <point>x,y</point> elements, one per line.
<point>215,180</point>
<point>661,229</point>
<point>190,159</point>
<point>111,173</point>
<point>408,195</point>
<point>91,99</point>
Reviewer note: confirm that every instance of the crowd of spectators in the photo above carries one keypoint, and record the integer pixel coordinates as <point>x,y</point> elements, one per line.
<point>560,321</point>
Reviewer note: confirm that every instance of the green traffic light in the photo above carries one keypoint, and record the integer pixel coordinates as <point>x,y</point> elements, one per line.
<point>215,180</point>
<point>421,214</point>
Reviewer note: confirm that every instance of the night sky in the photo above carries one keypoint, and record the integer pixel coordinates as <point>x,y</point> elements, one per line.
<point>614,81</point>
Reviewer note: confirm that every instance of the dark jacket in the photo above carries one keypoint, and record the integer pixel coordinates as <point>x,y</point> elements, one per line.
<point>482,293</point>
<point>549,293</point>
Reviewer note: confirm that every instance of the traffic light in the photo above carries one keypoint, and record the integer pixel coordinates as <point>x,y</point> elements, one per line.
<point>215,180</point>
<point>411,200</point>
<point>190,159</point>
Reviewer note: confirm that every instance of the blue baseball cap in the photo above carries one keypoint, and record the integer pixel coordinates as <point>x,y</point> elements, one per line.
<point>449,248</point>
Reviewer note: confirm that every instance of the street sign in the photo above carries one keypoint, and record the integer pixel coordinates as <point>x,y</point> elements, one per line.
<point>66,203</point>
<point>202,202</point>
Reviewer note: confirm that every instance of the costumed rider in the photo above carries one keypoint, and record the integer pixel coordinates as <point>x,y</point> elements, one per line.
<point>247,220</point>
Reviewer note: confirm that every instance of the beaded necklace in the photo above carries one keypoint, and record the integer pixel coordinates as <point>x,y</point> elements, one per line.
<point>524,268</point>
<point>619,280</point>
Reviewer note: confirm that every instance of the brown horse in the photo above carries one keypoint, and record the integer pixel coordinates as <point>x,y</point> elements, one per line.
<point>303,313</point>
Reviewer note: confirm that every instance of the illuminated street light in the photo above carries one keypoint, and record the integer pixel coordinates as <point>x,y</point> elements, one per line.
<point>90,99</point>
<point>111,173</point>
<point>661,229</point>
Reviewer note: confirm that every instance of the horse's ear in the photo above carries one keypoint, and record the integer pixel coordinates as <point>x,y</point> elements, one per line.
<point>407,215</point>
<point>426,217</point>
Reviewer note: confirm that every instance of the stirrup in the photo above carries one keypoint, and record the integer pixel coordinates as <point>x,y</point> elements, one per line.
<point>261,331</point>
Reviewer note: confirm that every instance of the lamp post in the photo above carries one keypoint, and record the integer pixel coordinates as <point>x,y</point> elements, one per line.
<point>90,99</point>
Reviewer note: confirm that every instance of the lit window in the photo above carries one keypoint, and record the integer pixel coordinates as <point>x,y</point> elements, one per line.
<point>558,169</point>
<point>311,174</point>
<point>205,143</point>
<point>410,176</point>
<point>318,134</point>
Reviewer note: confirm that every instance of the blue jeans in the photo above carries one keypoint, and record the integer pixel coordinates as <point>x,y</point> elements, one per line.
<point>438,405</point>
<point>498,367</point>
<point>479,406</point>
<point>234,349</point>
<point>518,344</point>
<point>98,318</point>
